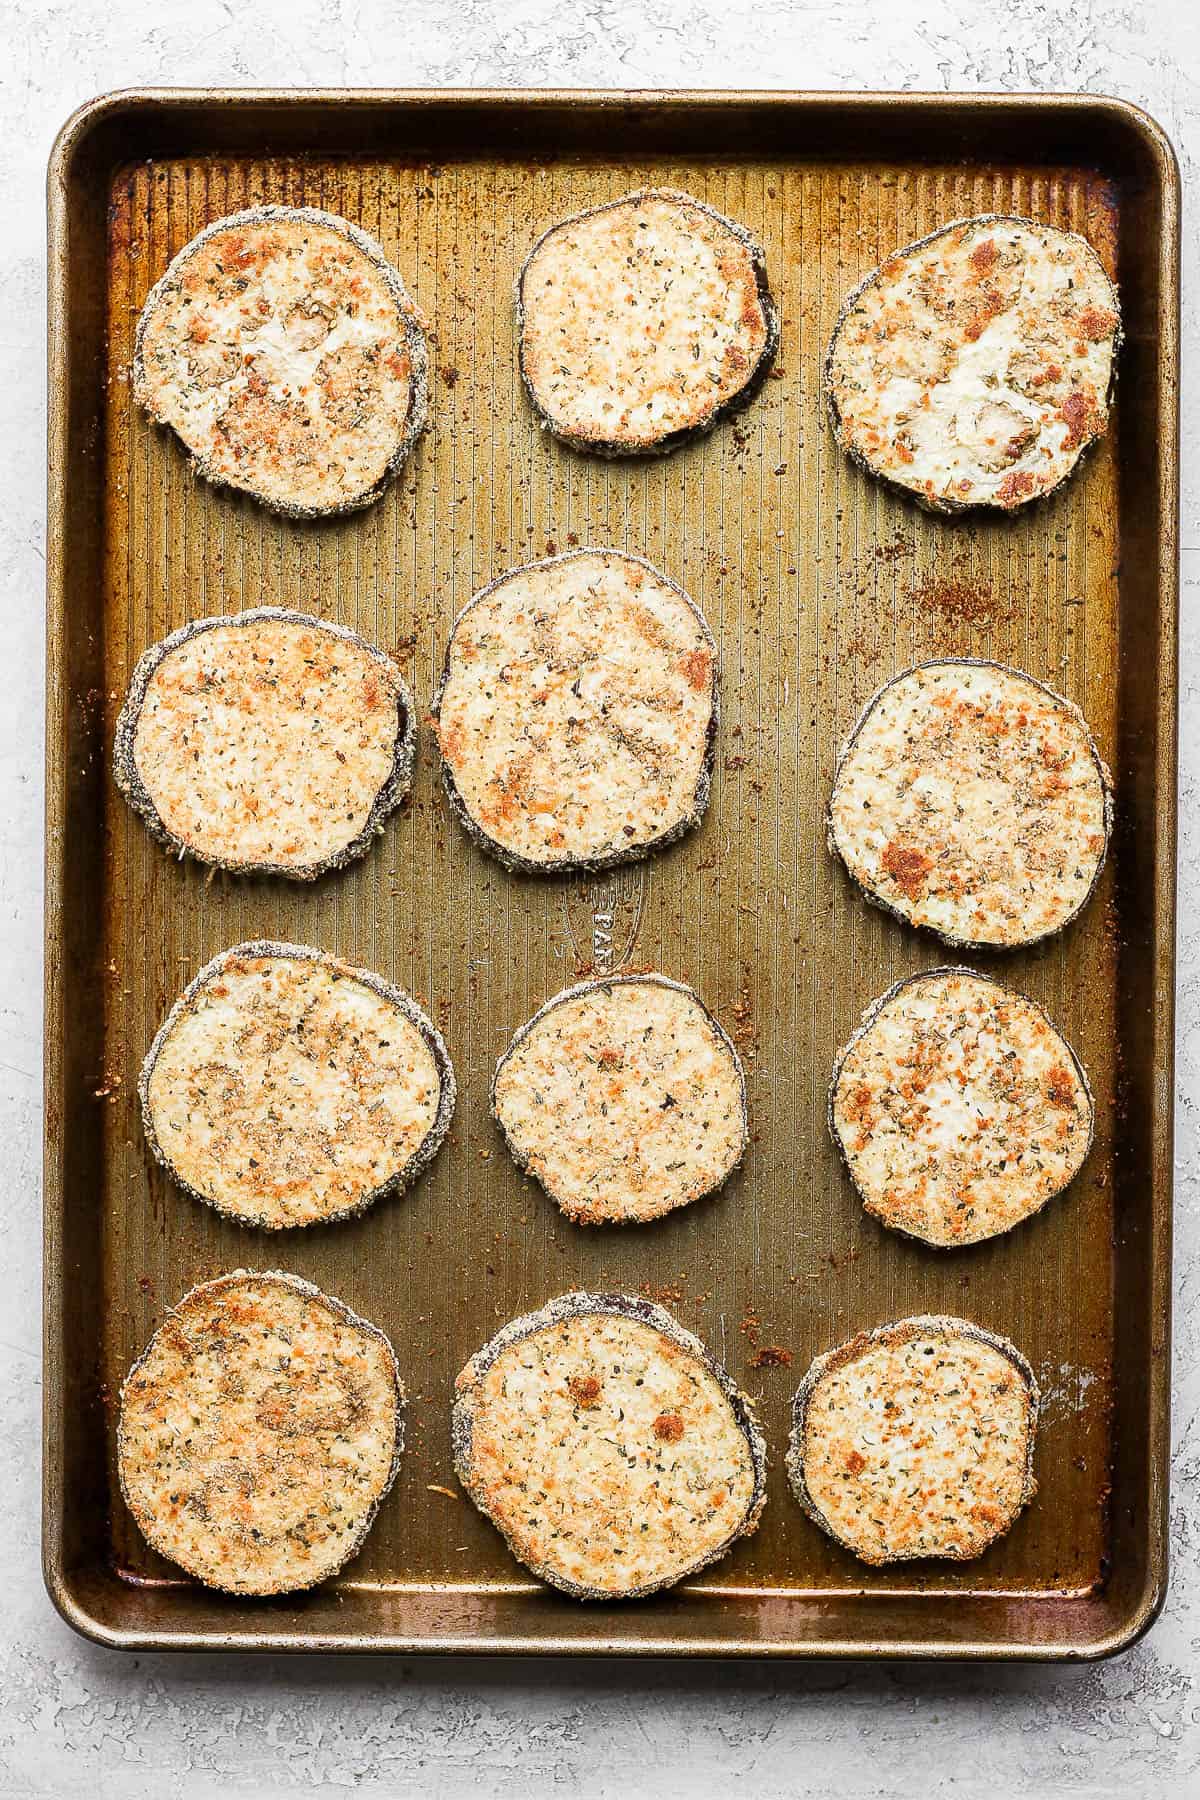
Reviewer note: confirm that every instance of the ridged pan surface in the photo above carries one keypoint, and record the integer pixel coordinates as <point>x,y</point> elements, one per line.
<point>818,584</point>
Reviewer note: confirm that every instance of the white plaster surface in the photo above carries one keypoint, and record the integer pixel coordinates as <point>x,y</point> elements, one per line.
<point>75,1719</point>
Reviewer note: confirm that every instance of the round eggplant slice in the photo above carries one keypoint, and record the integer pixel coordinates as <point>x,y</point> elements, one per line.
<point>577,713</point>
<point>265,742</point>
<point>625,1099</point>
<point>642,322</point>
<point>976,365</point>
<point>958,1108</point>
<point>608,1446</point>
<point>971,800</point>
<point>283,349</point>
<point>286,1088</point>
<point>258,1433</point>
<point>916,1440</point>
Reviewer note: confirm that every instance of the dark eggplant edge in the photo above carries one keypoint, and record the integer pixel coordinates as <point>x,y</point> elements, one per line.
<point>129,780</point>
<point>610,448</point>
<point>345,1315</point>
<point>416,345</point>
<point>943,506</point>
<point>524,865</point>
<point>1102,769</point>
<point>864,1025</point>
<point>949,1327</point>
<point>580,1304</point>
<point>416,1015</point>
<point>574,992</point>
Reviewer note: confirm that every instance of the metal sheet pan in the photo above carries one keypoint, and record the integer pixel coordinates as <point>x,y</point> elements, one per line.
<point>818,585</point>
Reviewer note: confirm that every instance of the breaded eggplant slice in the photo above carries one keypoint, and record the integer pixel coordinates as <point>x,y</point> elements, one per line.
<point>975,366</point>
<point>266,742</point>
<point>286,1088</point>
<point>971,800</point>
<point>959,1108</point>
<point>624,1097</point>
<point>283,349</point>
<point>608,1446</point>
<point>642,322</point>
<point>916,1440</point>
<point>577,714</point>
<point>259,1431</point>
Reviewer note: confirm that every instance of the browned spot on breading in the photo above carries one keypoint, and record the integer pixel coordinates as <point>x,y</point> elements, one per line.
<point>584,1389</point>
<point>983,257</point>
<point>506,808</point>
<point>1017,485</point>
<point>258,424</point>
<point>1060,1089</point>
<point>858,1106</point>
<point>983,311</point>
<point>986,1514</point>
<point>1096,324</point>
<point>696,667</point>
<point>1080,415</point>
<point>908,867</point>
<point>856,1462</point>
<point>668,1427</point>
<point>752,311</point>
<point>451,740</point>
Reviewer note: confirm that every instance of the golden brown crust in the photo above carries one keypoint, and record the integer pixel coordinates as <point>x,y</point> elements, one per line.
<point>971,799</point>
<point>577,713</point>
<point>283,349</point>
<point>608,1446</point>
<point>624,1098</point>
<point>975,366</point>
<point>958,1108</point>
<point>286,1088</point>
<point>642,322</point>
<point>258,1433</point>
<point>265,742</point>
<point>916,1440</point>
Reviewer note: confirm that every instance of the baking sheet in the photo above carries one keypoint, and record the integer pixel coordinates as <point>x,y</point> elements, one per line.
<point>818,586</point>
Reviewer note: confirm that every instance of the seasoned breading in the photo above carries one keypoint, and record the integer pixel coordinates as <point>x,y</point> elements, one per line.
<point>624,1097</point>
<point>970,799</point>
<point>266,742</point>
<point>916,1440</point>
<point>608,1446</point>
<point>286,1088</point>
<point>958,1108</point>
<point>976,365</point>
<point>577,713</point>
<point>642,322</point>
<point>258,1432</point>
<point>283,349</point>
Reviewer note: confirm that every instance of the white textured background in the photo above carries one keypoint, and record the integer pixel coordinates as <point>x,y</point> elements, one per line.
<point>75,1719</point>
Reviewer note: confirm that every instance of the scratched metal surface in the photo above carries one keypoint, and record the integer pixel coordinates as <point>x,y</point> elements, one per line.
<point>818,586</point>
